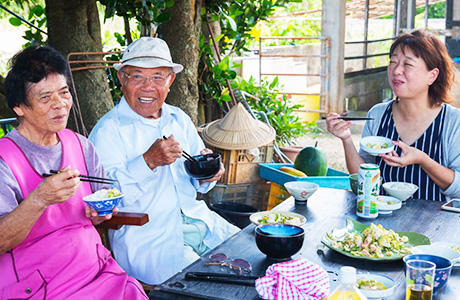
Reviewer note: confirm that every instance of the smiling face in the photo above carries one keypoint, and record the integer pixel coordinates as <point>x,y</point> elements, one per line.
<point>49,102</point>
<point>147,96</point>
<point>409,76</point>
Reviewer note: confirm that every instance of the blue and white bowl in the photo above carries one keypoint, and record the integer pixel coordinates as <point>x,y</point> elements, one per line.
<point>443,268</point>
<point>103,206</point>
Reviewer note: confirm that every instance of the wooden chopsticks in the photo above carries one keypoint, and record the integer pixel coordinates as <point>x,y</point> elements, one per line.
<point>185,154</point>
<point>85,178</point>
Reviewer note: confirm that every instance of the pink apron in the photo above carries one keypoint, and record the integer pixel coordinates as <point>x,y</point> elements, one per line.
<point>62,257</point>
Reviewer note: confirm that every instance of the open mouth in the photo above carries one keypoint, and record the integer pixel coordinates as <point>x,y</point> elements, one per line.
<point>146,99</point>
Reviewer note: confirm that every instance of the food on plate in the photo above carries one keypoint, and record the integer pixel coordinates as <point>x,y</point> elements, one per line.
<point>312,161</point>
<point>377,146</point>
<point>103,194</point>
<point>401,186</point>
<point>369,284</point>
<point>293,171</point>
<point>279,218</point>
<point>456,248</point>
<point>380,201</point>
<point>374,241</point>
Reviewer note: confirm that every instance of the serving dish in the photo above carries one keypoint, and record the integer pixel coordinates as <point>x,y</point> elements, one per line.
<point>377,294</point>
<point>453,246</point>
<point>388,204</point>
<point>400,190</point>
<point>375,145</point>
<point>277,217</point>
<point>353,226</point>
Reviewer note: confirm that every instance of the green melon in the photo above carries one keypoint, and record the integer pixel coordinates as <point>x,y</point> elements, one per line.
<point>312,161</point>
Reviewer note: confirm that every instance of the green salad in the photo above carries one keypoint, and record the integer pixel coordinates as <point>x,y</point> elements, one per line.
<point>374,241</point>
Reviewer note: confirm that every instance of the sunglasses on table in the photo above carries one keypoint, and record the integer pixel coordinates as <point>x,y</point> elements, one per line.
<point>221,259</point>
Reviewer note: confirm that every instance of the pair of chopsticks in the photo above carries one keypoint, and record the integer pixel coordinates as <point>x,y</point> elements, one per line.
<point>85,178</point>
<point>224,278</point>
<point>351,118</point>
<point>185,154</point>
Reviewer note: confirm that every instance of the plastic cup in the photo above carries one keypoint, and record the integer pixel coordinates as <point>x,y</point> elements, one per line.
<point>419,279</point>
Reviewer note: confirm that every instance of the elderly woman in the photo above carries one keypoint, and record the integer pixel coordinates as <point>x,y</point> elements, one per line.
<point>49,248</point>
<point>423,127</point>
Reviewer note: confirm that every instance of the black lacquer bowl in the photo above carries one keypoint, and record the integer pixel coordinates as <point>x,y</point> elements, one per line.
<point>279,241</point>
<point>205,167</point>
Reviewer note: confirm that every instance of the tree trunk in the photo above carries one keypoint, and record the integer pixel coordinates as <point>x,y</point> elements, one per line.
<point>182,33</point>
<point>73,26</point>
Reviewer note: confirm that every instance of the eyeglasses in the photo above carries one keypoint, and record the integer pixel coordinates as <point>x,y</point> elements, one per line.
<point>222,259</point>
<point>156,80</point>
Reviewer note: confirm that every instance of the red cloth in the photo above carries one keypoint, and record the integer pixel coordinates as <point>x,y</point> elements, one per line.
<point>295,279</point>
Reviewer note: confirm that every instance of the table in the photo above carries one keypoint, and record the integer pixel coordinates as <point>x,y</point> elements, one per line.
<point>326,210</point>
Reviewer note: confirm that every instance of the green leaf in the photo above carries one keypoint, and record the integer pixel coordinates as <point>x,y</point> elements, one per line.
<point>163,17</point>
<point>169,4</point>
<point>38,10</point>
<point>232,23</point>
<point>15,21</point>
<point>225,98</point>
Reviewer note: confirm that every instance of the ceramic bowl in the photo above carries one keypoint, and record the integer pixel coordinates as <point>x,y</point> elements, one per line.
<point>387,282</point>
<point>400,190</point>
<point>205,167</point>
<point>279,241</point>
<point>445,252</point>
<point>301,190</point>
<point>443,268</point>
<point>388,204</point>
<point>354,183</point>
<point>103,206</point>
<point>375,145</point>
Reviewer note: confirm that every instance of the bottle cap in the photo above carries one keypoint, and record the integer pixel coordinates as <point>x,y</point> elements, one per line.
<point>347,275</point>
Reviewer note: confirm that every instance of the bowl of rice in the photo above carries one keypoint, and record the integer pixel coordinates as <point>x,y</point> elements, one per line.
<point>400,190</point>
<point>104,200</point>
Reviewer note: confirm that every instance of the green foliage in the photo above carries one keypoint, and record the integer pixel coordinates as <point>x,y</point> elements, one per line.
<point>146,12</point>
<point>435,11</point>
<point>275,105</point>
<point>35,16</point>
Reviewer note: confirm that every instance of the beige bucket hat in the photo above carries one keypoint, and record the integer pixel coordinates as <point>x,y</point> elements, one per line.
<point>148,52</point>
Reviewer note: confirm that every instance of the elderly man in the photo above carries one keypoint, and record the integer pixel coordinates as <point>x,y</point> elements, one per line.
<point>130,143</point>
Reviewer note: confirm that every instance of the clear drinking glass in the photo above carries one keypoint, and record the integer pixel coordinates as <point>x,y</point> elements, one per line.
<point>419,279</point>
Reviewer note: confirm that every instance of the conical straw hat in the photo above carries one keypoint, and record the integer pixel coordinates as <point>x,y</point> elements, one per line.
<point>238,130</point>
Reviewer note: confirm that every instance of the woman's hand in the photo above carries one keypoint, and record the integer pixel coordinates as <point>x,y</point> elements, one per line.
<point>95,218</point>
<point>338,127</point>
<point>409,156</point>
<point>57,188</point>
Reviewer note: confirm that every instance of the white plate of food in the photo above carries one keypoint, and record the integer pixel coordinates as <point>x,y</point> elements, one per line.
<point>277,217</point>
<point>375,286</point>
<point>450,245</point>
<point>387,204</point>
<point>375,145</point>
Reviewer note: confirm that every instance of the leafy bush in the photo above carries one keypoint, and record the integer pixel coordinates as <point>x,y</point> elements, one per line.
<point>275,105</point>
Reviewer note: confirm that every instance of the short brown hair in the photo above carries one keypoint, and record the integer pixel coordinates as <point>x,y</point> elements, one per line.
<point>434,53</point>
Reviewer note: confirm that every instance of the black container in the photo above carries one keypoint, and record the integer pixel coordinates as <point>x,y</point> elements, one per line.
<point>205,167</point>
<point>236,213</point>
<point>279,241</point>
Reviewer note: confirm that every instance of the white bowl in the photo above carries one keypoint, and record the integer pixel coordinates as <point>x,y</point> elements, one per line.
<point>400,190</point>
<point>369,142</point>
<point>438,250</point>
<point>301,190</point>
<point>387,204</point>
<point>377,294</point>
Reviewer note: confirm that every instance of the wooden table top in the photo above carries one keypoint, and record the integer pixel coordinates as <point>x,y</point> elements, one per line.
<point>326,210</point>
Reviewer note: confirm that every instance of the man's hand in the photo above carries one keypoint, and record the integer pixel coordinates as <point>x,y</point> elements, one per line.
<point>163,152</point>
<point>56,189</point>
<point>221,170</point>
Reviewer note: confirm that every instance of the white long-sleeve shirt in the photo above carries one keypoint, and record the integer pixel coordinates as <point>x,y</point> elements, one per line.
<point>153,252</point>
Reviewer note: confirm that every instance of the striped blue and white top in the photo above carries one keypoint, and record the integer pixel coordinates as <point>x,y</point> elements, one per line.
<point>430,142</point>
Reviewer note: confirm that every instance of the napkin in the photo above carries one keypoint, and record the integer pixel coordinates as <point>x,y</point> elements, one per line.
<point>295,279</point>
